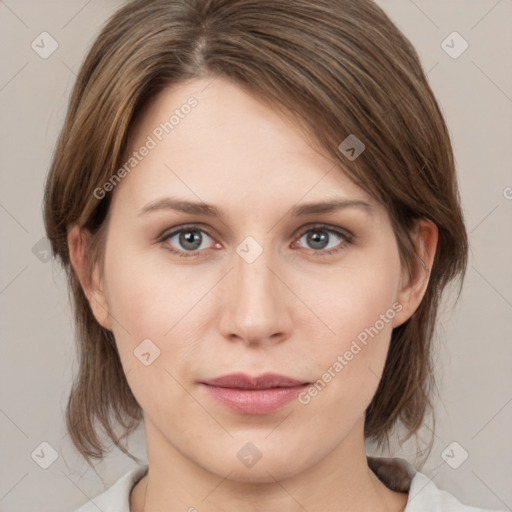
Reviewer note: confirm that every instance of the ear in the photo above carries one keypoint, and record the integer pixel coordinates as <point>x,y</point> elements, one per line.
<point>91,284</point>
<point>412,288</point>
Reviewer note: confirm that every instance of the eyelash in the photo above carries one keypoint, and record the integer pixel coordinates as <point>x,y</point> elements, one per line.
<point>347,237</point>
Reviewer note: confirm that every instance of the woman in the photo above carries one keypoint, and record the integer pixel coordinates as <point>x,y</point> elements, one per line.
<point>257,206</point>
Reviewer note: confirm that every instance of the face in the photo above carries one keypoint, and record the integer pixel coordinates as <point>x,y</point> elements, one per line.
<point>259,282</point>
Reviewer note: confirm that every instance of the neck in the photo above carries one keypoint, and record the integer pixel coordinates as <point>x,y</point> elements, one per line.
<point>341,481</point>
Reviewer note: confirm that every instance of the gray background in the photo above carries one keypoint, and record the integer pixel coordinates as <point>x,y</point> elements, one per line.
<point>473,340</point>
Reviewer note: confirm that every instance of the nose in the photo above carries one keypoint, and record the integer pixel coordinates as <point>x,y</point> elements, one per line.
<point>255,302</point>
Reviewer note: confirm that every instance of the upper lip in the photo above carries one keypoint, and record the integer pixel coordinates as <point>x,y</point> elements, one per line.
<point>264,381</point>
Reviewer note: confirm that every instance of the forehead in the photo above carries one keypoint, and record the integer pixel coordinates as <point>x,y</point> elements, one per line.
<point>211,140</point>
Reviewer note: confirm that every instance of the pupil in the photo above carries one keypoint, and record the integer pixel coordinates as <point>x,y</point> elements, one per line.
<point>190,237</point>
<point>318,239</point>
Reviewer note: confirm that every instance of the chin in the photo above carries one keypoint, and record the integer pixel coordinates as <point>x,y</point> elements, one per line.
<point>257,462</point>
<point>263,472</point>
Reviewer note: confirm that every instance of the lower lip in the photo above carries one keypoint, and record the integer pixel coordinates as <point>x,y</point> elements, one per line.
<point>257,401</point>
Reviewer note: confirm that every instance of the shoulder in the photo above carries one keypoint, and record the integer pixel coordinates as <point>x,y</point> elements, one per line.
<point>423,494</point>
<point>117,497</point>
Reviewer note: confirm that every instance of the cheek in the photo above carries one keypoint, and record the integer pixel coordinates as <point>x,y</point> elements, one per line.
<point>155,320</point>
<point>359,306</point>
<point>142,305</point>
<point>354,297</point>
<point>144,295</point>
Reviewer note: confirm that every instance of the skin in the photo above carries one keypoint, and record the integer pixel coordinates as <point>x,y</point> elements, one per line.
<point>291,311</point>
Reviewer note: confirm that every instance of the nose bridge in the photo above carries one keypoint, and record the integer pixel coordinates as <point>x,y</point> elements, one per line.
<point>254,281</point>
<point>254,308</point>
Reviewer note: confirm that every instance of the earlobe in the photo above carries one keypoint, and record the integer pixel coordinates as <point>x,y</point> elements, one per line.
<point>413,287</point>
<point>91,284</point>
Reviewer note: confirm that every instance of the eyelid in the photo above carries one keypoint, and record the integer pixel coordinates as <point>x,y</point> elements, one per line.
<point>183,227</point>
<point>327,227</point>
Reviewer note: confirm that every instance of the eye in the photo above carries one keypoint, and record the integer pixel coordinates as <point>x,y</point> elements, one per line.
<point>186,239</point>
<point>326,239</point>
<point>189,241</point>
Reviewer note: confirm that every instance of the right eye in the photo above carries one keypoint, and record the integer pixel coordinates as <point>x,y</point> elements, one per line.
<point>187,241</point>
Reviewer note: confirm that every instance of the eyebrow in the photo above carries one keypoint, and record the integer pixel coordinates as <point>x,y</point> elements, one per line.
<point>200,208</point>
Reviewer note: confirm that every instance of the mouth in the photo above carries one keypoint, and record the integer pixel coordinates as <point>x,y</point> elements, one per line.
<point>263,394</point>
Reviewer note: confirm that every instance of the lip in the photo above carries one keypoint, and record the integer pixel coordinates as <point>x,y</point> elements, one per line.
<point>262,394</point>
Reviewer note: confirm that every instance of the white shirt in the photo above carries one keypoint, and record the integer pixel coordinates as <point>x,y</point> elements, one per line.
<point>397,474</point>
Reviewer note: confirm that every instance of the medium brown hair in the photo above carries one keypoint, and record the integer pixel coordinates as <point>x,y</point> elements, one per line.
<point>338,67</point>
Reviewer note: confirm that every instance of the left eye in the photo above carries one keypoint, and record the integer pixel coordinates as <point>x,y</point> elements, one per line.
<point>324,239</point>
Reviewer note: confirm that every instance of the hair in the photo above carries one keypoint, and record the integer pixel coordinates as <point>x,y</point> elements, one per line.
<point>337,67</point>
